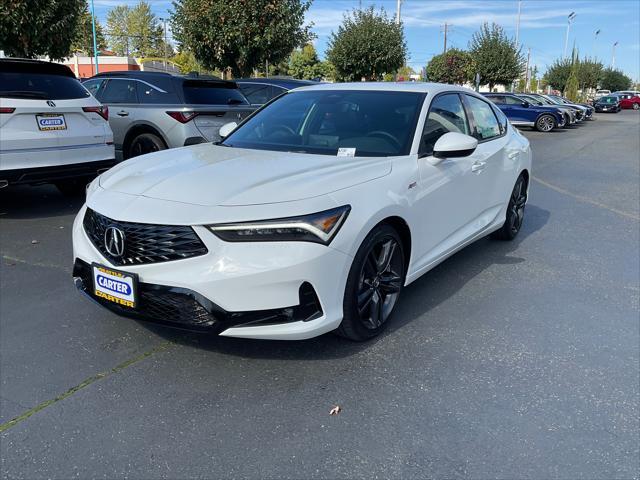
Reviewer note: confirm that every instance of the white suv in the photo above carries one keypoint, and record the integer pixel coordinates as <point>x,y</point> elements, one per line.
<point>51,129</point>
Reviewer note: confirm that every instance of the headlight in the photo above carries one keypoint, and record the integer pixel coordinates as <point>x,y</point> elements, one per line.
<point>318,227</point>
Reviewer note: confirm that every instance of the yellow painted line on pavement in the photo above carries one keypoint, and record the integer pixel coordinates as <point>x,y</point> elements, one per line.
<point>118,368</point>
<point>586,199</point>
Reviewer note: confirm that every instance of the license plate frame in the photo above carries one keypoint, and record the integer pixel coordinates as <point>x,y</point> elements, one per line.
<point>113,291</point>
<point>43,127</point>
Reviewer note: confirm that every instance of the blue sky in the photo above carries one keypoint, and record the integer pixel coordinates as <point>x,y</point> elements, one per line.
<point>543,25</point>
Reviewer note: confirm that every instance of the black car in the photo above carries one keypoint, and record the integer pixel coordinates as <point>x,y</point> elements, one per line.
<point>610,104</point>
<point>260,90</point>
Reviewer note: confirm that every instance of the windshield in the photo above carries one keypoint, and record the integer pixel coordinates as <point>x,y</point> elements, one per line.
<point>361,123</point>
<point>531,100</point>
<point>608,100</point>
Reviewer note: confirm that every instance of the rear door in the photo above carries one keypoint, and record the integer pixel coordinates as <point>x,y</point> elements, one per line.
<point>121,96</point>
<point>215,104</point>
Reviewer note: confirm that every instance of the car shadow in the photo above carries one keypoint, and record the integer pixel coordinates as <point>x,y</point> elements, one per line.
<point>45,201</point>
<point>419,298</point>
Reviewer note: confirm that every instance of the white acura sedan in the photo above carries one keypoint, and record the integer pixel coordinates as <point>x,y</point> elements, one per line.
<point>310,216</point>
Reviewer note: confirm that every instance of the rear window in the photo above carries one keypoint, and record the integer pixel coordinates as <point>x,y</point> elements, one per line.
<point>202,92</point>
<point>40,86</point>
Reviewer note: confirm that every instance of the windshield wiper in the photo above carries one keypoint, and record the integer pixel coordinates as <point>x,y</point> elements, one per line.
<point>23,93</point>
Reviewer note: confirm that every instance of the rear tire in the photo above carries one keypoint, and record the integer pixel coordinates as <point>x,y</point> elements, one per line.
<point>636,106</point>
<point>546,123</point>
<point>374,285</point>
<point>72,187</point>
<point>145,143</point>
<point>515,212</point>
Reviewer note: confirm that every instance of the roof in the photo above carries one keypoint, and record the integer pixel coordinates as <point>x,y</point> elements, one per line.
<point>418,87</point>
<point>288,83</point>
<point>27,65</point>
<point>148,76</point>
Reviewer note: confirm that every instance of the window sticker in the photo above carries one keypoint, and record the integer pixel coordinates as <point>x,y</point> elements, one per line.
<point>346,152</point>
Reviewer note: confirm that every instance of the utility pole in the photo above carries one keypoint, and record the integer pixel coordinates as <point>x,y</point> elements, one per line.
<point>93,27</point>
<point>398,7</point>
<point>613,56</point>
<point>446,28</point>
<point>570,19</point>
<point>518,24</point>
<point>595,39</point>
<point>164,20</point>
<point>526,83</point>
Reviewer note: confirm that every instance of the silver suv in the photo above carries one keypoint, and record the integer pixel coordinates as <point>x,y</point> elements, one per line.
<point>151,111</point>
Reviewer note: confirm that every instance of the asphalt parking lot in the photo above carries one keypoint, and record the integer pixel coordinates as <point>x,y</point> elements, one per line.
<point>509,360</point>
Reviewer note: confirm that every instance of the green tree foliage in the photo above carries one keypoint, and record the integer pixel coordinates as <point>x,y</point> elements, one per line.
<point>29,28</point>
<point>135,31</point>
<point>304,64</point>
<point>83,42</point>
<point>614,80</point>
<point>533,81</point>
<point>558,74</point>
<point>497,57</point>
<point>188,63</point>
<point>240,34</point>
<point>571,88</point>
<point>589,73</point>
<point>367,45</point>
<point>455,66</point>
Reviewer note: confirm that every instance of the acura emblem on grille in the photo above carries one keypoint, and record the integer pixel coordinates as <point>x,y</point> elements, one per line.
<point>50,103</point>
<point>114,241</point>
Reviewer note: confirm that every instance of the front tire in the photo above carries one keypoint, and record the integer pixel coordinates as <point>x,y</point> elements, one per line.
<point>545,123</point>
<point>636,106</point>
<point>374,284</point>
<point>515,212</point>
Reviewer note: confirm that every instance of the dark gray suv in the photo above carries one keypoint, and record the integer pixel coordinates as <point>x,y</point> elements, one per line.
<point>151,111</point>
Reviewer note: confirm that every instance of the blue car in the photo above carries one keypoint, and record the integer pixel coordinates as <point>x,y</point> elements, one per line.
<point>543,118</point>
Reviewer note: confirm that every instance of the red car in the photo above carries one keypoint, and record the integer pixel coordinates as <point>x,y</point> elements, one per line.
<point>630,102</point>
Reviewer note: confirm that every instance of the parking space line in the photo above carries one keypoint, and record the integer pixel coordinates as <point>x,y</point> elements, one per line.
<point>118,368</point>
<point>35,264</point>
<point>585,199</point>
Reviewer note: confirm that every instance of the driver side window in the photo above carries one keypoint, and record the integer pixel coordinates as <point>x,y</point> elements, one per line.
<point>446,114</point>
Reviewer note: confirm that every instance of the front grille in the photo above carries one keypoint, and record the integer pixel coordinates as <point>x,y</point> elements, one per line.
<point>143,242</point>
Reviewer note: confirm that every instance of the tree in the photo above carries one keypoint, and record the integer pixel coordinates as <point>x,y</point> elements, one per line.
<point>30,28</point>
<point>135,31</point>
<point>533,81</point>
<point>454,66</point>
<point>367,45</point>
<point>304,63</point>
<point>572,82</point>
<point>83,41</point>
<point>558,74</point>
<point>614,80</point>
<point>240,34</point>
<point>589,73</point>
<point>498,59</point>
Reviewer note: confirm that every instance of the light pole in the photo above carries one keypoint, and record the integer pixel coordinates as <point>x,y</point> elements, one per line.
<point>595,39</point>
<point>613,56</point>
<point>570,19</point>
<point>398,7</point>
<point>93,27</point>
<point>518,24</point>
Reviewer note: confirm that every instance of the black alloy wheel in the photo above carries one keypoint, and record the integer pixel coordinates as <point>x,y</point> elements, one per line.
<point>515,212</point>
<point>374,284</point>
<point>145,143</point>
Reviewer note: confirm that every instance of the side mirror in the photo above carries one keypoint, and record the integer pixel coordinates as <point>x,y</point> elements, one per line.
<point>525,104</point>
<point>226,129</point>
<point>453,144</point>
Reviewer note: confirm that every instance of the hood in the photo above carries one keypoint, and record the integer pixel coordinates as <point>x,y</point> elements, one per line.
<point>211,175</point>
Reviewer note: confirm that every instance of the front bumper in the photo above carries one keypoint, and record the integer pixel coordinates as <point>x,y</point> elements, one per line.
<point>279,290</point>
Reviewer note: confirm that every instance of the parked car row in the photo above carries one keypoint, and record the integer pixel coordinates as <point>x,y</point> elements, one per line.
<point>58,130</point>
<point>542,112</point>
<point>616,101</point>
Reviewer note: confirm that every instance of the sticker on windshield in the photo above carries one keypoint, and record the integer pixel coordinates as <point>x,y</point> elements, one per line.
<point>346,152</point>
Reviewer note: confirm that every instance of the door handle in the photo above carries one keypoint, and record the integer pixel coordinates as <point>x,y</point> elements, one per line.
<point>122,113</point>
<point>478,166</point>
<point>513,155</point>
